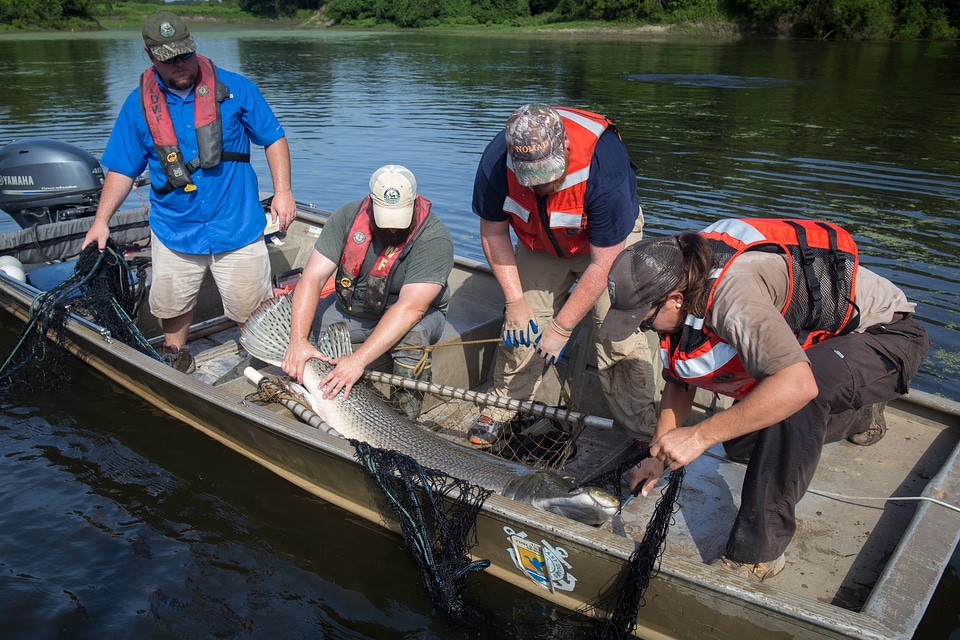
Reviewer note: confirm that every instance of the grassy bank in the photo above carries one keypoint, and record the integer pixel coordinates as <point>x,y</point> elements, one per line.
<point>130,15</point>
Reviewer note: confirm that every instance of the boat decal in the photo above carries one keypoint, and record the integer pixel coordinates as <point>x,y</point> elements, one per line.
<point>542,562</point>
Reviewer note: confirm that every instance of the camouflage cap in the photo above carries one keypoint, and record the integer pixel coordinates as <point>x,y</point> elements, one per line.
<point>535,143</point>
<point>167,36</point>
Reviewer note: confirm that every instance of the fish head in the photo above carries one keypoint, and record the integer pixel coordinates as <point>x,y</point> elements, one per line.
<point>564,496</point>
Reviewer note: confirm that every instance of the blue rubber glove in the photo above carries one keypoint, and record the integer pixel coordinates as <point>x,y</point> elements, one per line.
<point>552,343</point>
<point>519,327</point>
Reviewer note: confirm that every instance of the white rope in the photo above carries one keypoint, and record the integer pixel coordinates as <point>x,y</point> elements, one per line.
<point>841,496</point>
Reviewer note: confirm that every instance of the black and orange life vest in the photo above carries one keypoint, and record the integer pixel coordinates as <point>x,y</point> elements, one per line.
<point>209,92</point>
<point>822,270</point>
<point>367,296</point>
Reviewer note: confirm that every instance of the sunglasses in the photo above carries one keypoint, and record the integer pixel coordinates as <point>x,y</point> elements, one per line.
<point>182,56</point>
<point>647,325</point>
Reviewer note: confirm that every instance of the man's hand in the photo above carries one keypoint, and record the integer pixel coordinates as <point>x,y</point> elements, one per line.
<point>678,447</point>
<point>283,208</point>
<point>296,356</point>
<point>519,327</point>
<point>345,374</point>
<point>644,476</point>
<point>99,232</point>
<point>552,343</point>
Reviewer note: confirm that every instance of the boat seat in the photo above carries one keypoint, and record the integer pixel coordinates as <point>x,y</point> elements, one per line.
<point>48,277</point>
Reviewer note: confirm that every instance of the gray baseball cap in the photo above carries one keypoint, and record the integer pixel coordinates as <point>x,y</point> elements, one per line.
<point>640,277</point>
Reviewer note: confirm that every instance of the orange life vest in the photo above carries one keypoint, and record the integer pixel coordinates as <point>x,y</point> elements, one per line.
<point>560,227</point>
<point>822,274</point>
<point>375,286</point>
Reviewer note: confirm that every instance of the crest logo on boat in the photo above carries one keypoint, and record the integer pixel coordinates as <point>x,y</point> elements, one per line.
<point>540,561</point>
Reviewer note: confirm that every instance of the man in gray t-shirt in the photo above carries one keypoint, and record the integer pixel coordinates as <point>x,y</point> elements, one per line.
<point>391,258</point>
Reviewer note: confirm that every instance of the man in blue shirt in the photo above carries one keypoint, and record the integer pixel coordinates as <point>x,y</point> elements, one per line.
<point>192,124</point>
<point>561,179</point>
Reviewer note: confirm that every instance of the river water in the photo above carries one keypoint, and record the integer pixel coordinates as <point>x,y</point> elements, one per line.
<point>121,522</point>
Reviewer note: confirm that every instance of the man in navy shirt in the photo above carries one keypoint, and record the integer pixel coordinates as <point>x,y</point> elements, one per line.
<point>562,180</point>
<point>191,124</point>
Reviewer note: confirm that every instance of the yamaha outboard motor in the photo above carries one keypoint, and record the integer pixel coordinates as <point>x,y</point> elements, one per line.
<point>43,181</point>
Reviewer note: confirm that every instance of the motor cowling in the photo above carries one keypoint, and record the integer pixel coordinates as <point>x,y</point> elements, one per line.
<point>44,180</point>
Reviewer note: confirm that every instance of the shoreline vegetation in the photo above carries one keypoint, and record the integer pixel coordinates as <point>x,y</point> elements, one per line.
<point>817,19</point>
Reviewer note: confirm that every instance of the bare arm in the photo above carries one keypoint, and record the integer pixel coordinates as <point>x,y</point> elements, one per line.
<point>498,248</point>
<point>414,300</point>
<point>590,286</point>
<point>776,398</point>
<point>116,187</point>
<point>283,207</point>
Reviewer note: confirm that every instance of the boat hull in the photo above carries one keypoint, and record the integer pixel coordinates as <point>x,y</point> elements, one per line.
<point>688,598</point>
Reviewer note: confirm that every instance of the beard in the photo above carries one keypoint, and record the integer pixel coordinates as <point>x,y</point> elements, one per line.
<point>391,237</point>
<point>182,82</point>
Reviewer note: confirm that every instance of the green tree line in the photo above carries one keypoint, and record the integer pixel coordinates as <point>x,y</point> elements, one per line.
<point>849,19</point>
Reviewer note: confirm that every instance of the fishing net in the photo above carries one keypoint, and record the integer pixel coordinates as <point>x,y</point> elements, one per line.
<point>437,514</point>
<point>624,599</point>
<point>536,441</point>
<point>103,289</point>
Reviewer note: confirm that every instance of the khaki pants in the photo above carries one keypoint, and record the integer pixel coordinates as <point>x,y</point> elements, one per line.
<point>242,276</point>
<point>625,367</point>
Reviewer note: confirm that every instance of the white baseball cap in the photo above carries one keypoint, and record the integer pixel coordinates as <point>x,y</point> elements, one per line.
<point>393,190</point>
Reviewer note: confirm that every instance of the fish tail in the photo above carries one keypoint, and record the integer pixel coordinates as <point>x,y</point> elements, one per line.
<point>266,333</point>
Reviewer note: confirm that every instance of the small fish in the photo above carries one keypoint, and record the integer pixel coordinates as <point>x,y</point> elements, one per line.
<point>365,417</point>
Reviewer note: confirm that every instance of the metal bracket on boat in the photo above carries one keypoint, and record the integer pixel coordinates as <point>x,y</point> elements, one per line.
<point>103,331</point>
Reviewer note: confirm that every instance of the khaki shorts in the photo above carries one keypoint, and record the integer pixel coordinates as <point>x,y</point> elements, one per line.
<point>242,277</point>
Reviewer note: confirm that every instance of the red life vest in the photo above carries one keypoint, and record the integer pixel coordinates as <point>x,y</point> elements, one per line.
<point>822,275</point>
<point>207,124</point>
<point>561,226</point>
<point>375,286</point>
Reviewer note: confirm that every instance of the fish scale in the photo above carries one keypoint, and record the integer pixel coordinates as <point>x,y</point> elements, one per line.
<point>365,417</point>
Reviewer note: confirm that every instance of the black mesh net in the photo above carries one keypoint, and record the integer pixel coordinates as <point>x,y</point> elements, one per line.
<point>438,516</point>
<point>103,289</point>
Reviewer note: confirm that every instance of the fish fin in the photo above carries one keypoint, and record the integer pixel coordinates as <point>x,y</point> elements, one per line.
<point>266,333</point>
<point>336,341</point>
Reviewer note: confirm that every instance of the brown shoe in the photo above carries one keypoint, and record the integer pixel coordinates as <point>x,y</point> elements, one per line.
<point>180,359</point>
<point>872,425</point>
<point>759,571</point>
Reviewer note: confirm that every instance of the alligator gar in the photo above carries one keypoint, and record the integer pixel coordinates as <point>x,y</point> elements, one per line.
<point>367,418</point>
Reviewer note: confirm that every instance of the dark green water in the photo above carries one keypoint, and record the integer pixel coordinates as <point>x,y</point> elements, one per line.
<point>120,522</point>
